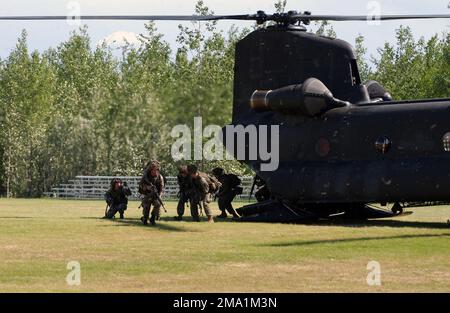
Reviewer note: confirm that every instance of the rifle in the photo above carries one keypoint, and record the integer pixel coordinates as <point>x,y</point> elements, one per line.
<point>154,191</point>
<point>253,187</point>
<point>158,198</point>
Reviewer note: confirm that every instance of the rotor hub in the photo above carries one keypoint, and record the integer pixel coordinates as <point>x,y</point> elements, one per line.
<point>283,19</point>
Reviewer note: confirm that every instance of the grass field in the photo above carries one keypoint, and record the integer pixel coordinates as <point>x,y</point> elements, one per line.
<point>39,237</point>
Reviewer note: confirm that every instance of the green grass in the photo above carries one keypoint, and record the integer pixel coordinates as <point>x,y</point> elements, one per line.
<point>39,237</point>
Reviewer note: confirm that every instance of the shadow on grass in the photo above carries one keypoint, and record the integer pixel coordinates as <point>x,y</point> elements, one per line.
<point>189,219</point>
<point>345,240</point>
<point>161,225</point>
<point>382,223</point>
<point>325,223</point>
<point>168,219</point>
<point>138,223</point>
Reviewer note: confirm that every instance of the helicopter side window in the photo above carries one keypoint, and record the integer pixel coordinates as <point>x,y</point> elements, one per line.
<point>356,79</point>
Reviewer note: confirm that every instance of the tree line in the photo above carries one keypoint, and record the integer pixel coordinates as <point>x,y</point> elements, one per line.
<point>78,110</point>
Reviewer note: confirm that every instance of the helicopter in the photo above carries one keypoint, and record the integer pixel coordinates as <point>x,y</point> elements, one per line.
<point>344,144</point>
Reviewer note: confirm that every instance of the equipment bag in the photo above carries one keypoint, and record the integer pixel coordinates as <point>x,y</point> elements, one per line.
<point>213,184</point>
<point>234,180</point>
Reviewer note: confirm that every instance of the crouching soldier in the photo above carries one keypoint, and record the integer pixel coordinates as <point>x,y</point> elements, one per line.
<point>228,191</point>
<point>184,184</point>
<point>202,187</point>
<point>263,193</point>
<point>117,198</point>
<point>151,187</point>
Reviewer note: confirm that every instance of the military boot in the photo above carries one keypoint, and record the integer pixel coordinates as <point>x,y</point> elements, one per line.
<point>144,220</point>
<point>121,216</point>
<point>178,218</point>
<point>152,220</point>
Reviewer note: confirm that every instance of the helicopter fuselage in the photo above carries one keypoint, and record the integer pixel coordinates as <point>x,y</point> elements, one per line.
<point>391,152</point>
<point>362,153</point>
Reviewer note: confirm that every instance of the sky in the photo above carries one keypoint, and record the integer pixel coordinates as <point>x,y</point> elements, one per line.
<point>45,34</point>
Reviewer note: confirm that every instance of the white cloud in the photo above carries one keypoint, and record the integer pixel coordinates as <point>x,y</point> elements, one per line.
<point>120,39</point>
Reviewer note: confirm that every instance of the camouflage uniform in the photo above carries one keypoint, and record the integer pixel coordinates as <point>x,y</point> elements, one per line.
<point>184,183</point>
<point>117,199</point>
<point>147,187</point>
<point>200,194</point>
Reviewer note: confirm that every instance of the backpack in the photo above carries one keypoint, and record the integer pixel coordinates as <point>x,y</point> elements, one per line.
<point>213,184</point>
<point>234,180</point>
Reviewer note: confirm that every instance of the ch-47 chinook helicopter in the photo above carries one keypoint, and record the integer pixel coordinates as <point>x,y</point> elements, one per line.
<point>343,144</point>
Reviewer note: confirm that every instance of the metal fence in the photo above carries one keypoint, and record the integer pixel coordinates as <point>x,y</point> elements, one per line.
<point>94,187</point>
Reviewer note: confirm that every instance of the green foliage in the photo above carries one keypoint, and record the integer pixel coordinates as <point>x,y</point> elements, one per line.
<point>325,29</point>
<point>27,92</point>
<point>280,6</point>
<point>363,66</point>
<point>414,69</point>
<point>75,110</point>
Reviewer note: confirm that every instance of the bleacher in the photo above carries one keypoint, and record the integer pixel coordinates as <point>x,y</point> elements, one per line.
<point>94,187</point>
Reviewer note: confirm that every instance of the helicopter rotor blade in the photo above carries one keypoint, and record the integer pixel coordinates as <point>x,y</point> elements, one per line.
<point>368,17</point>
<point>130,17</point>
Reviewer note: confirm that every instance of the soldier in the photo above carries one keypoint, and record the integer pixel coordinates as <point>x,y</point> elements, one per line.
<point>228,191</point>
<point>184,183</point>
<point>151,187</point>
<point>263,193</point>
<point>117,198</point>
<point>202,186</point>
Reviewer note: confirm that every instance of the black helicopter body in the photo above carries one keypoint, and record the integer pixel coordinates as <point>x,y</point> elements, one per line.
<point>369,151</point>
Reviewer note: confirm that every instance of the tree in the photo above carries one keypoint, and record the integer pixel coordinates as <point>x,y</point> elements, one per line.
<point>280,6</point>
<point>414,69</point>
<point>27,92</point>
<point>325,29</point>
<point>363,66</point>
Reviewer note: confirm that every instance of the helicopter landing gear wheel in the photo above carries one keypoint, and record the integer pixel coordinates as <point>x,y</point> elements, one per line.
<point>397,209</point>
